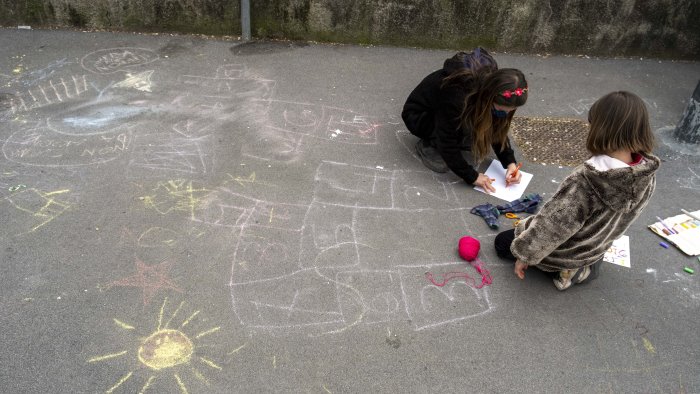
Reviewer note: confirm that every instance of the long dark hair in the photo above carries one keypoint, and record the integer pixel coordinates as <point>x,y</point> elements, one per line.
<point>506,87</point>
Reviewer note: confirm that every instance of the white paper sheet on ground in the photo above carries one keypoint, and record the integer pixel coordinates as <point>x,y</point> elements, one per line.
<point>510,193</point>
<point>619,252</point>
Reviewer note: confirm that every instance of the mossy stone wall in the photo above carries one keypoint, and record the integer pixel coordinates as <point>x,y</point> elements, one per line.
<point>650,28</point>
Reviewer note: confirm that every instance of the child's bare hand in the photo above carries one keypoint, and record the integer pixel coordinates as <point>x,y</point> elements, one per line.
<point>512,174</point>
<point>519,269</point>
<point>485,183</point>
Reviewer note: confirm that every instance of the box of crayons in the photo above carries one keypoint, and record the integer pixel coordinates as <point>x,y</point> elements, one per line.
<point>683,231</point>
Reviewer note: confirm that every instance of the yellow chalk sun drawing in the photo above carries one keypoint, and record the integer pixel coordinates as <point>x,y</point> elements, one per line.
<point>166,352</point>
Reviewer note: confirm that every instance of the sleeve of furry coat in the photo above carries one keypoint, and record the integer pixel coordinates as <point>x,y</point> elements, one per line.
<point>560,218</point>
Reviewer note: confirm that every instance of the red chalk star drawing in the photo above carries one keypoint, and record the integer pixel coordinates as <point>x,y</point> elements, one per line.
<point>150,278</point>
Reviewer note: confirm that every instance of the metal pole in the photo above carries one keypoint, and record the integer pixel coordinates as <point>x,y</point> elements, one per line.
<point>245,20</point>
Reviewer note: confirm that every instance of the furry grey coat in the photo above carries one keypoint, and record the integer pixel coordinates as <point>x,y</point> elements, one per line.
<point>590,210</point>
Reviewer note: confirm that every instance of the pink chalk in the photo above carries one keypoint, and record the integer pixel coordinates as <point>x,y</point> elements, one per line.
<point>469,248</point>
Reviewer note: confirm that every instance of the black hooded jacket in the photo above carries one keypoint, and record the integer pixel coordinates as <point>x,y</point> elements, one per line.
<point>433,113</point>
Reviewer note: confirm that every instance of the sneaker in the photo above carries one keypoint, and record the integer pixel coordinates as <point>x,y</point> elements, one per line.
<point>564,280</point>
<point>430,157</point>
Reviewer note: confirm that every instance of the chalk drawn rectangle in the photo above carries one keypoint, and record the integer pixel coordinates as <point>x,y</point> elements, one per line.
<point>278,216</point>
<point>354,186</point>
<point>265,253</point>
<point>430,306</point>
<point>303,299</point>
<point>414,190</point>
<point>372,296</point>
<point>329,237</point>
<point>388,238</point>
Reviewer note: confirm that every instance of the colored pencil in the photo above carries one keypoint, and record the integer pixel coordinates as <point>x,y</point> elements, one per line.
<point>665,226</point>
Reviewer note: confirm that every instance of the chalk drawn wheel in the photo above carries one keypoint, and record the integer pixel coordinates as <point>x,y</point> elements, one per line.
<point>165,349</point>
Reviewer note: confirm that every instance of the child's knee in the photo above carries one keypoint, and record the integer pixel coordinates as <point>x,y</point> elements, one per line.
<point>502,244</point>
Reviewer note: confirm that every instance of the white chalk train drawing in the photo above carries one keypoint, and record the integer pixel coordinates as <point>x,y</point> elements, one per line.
<point>49,93</point>
<point>342,275</point>
<point>89,129</point>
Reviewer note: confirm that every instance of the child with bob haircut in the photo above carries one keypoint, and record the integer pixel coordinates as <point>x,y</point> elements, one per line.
<point>596,203</point>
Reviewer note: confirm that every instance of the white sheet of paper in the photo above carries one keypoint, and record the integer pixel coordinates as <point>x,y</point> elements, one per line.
<point>619,252</point>
<point>510,193</point>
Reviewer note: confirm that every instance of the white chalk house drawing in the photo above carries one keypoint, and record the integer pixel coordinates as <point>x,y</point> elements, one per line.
<point>342,275</point>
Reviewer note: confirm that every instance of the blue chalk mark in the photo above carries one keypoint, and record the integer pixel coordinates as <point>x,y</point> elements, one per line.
<point>103,117</point>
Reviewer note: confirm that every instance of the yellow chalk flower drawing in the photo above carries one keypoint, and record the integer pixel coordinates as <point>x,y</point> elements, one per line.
<point>42,207</point>
<point>167,352</point>
<point>175,195</point>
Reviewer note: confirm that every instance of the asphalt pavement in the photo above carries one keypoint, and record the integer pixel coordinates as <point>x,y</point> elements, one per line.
<point>187,214</point>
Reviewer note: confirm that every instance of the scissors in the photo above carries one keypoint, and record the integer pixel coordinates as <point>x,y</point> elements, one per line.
<point>513,216</point>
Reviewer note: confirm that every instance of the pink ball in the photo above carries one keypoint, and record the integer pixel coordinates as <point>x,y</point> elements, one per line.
<point>469,248</point>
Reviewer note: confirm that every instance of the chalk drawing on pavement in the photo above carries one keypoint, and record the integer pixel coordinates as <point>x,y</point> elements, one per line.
<point>150,278</point>
<point>42,146</point>
<point>691,180</point>
<point>160,237</point>
<point>49,93</point>
<point>96,118</point>
<point>34,209</point>
<point>173,353</point>
<point>178,195</point>
<point>108,61</point>
<point>171,154</point>
<point>289,126</point>
<point>320,268</point>
<point>140,81</point>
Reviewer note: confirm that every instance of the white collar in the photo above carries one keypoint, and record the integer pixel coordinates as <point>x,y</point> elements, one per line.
<point>605,163</point>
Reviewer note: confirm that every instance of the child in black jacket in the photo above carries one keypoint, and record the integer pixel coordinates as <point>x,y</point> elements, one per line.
<point>466,105</point>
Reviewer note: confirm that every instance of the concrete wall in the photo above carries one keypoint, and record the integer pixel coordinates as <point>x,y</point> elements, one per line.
<point>649,28</point>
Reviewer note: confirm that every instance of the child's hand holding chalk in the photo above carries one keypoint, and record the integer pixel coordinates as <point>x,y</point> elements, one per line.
<point>513,174</point>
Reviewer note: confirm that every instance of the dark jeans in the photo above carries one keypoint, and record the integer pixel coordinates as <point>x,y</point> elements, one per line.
<point>420,124</point>
<point>502,243</point>
<point>505,238</point>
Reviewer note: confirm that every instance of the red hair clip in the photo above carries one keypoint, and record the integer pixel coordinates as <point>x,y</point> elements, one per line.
<point>518,92</point>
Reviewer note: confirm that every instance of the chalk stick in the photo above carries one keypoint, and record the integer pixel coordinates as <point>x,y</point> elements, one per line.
<point>664,245</point>
<point>689,270</point>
